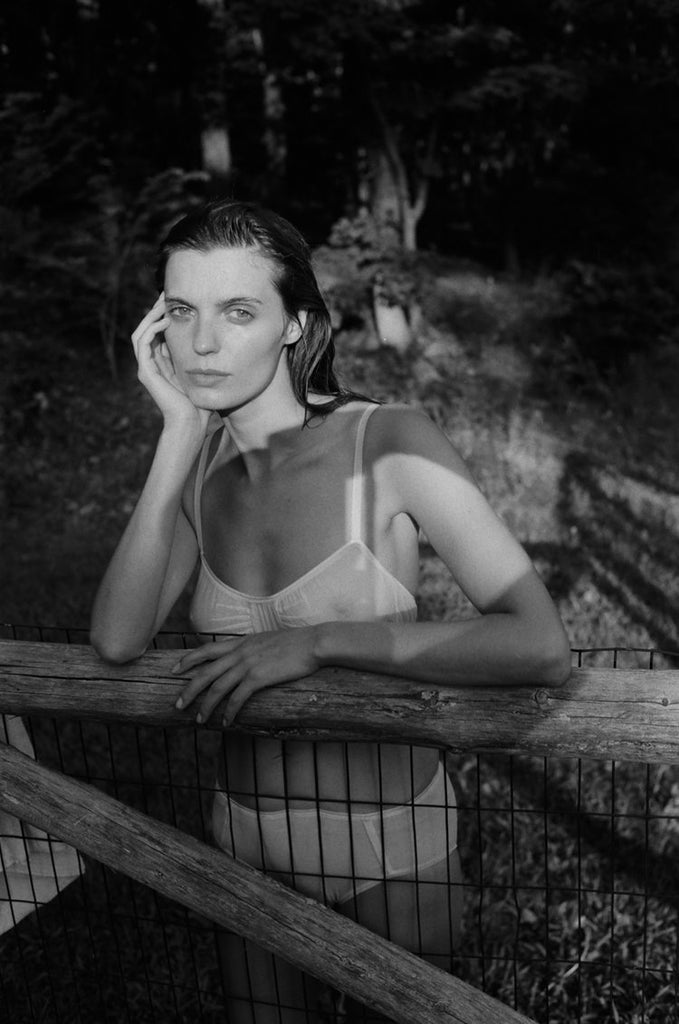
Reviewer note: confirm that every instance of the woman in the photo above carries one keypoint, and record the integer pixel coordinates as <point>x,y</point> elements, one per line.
<point>301,503</point>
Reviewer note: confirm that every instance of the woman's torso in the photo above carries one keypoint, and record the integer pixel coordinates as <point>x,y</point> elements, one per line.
<point>315,537</point>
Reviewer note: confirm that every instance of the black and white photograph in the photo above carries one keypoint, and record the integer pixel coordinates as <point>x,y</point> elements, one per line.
<point>339,508</point>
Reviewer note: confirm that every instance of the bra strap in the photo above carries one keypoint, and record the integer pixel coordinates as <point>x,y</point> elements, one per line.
<point>357,482</point>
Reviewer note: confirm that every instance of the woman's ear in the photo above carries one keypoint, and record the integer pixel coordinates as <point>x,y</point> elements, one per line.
<point>295,327</point>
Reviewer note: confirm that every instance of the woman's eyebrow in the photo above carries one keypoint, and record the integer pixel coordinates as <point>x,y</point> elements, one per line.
<point>239,300</point>
<point>222,304</point>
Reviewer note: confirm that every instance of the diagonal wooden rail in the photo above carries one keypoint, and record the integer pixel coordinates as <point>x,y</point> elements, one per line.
<point>619,714</point>
<point>235,895</point>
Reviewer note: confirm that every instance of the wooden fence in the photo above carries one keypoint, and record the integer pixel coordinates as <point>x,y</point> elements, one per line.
<point>622,714</point>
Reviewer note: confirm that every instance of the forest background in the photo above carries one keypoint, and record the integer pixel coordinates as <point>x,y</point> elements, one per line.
<point>492,193</point>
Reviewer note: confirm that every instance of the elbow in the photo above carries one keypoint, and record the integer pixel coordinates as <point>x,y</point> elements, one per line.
<point>114,651</point>
<point>553,661</point>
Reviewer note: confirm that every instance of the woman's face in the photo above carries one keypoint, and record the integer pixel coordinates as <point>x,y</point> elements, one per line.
<point>228,327</point>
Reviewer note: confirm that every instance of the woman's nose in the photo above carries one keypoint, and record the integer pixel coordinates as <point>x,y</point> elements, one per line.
<point>205,339</point>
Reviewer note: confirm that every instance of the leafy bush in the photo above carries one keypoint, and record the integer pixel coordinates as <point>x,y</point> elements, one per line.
<point>365,261</point>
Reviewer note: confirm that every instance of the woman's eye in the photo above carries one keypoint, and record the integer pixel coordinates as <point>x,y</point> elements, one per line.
<point>241,315</point>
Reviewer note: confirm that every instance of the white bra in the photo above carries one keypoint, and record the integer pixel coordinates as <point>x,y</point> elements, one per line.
<point>348,585</point>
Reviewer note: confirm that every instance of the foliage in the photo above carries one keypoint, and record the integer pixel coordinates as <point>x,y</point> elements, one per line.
<point>367,264</point>
<point>613,311</point>
<point>523,133</point>
<point>86,251</point>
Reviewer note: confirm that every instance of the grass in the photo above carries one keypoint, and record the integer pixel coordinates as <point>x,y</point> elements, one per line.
<point>581,923</point>
<point>572,903</point>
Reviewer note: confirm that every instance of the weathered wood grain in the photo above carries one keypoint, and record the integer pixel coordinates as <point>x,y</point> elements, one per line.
<point>600,713</point>
<point>238,897</point>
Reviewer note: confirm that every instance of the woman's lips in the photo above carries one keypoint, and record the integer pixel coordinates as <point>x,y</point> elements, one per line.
<point>206,377</point>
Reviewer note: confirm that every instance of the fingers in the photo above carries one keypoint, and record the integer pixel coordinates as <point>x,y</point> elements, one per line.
<point>223,675</point>
<point>239,695</point>
<point>206,652</point>
<point>218,670</point>
<point>152,324</point>
<point>218,684</point>
<point>143,347</point>
<point>217,692</point>
<point>156,312</point>
<point>201,680</point>
<point>232,670</point>
<point>164,360</point>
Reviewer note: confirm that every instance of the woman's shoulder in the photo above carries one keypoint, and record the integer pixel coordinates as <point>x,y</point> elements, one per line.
<point>411,453</point>
<point>398,427</point>
<point>390,433</point>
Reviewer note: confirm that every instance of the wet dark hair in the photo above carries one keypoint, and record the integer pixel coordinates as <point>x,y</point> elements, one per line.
<point>228,224</point>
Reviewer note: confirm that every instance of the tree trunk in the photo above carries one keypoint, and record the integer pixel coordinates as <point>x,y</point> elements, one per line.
<point>274,138</point>
<point>409,232</point>
<point>216,151</point>
<point>391,324</point>
<point>385,202</point>
<point>408,210</point>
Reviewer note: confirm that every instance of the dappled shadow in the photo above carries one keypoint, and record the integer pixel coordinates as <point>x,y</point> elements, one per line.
<point>623,542</point>
<point>622,551</point>
<point>648,867</point>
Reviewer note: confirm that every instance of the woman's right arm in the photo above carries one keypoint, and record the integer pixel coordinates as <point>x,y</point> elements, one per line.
<point>158,550</point>
<point>153,561</point>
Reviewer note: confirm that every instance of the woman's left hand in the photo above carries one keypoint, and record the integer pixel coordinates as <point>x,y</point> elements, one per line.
<point>236,668</point>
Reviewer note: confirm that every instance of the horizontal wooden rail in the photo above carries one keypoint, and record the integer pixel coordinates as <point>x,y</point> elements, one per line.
<point>236,896</point>
<point>618,714</point>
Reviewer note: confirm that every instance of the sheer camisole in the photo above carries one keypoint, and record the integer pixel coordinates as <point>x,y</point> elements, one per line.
<point>349,585</point>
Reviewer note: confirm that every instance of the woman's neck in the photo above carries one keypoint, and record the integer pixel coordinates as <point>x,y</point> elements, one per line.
<point>267,432</point>
<point>266,439</point>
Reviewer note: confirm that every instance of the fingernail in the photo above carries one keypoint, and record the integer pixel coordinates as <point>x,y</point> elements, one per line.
<point>180,704</point>
<point>176,668</point>
<point>199,719</point>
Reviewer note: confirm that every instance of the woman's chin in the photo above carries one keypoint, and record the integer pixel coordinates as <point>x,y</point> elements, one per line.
<point>212,402</point>
<point>219,404</point>
<point>210,399</point>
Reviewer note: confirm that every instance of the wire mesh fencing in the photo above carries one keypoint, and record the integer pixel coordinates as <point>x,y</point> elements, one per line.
<point>569,882</point>
<point>572,887</point>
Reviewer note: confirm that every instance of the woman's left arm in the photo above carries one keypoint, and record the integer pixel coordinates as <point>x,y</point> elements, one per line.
<point>517,638</point>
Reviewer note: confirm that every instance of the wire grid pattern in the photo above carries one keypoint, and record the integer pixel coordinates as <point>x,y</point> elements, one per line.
<point>570,883</point>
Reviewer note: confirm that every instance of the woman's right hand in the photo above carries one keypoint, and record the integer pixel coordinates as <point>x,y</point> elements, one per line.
<point>156,371</point>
